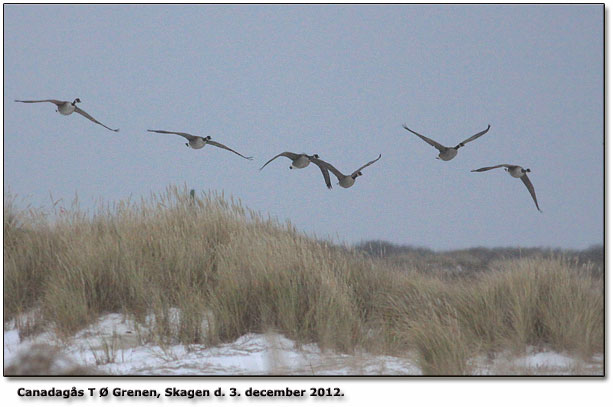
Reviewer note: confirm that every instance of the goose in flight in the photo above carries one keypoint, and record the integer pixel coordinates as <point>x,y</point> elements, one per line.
<point>447,153</point>
<point>302,161</point>
<point>64,107</point>
<point>197,142</point>
<point>516,172</point>
<point>298,160</point>
<point>344,181</point>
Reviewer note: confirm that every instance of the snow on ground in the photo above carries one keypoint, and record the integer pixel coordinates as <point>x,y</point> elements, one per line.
<point>542,362</point>
<point>117,346</point>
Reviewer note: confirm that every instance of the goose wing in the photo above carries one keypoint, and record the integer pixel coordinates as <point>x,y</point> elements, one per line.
<point>329,167</point>
<point>476,136</point>
<point>291,156</point>
<point>85,114</point>
<point>531,189</point>
<point>324,170</point>
<point>491,168</point>
<point>216,144</point>
<point>367,164</point>
<point>54,101</point>
<point>188,136</point>
<point>433,143</point>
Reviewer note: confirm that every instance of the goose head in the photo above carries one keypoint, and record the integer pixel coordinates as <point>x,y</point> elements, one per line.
<point>207,138</point>
<point>359,173</point>
<point>527,170</point>
<point>77,100</point>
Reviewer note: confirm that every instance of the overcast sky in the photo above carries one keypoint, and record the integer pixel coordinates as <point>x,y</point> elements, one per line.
<point>334,80</point>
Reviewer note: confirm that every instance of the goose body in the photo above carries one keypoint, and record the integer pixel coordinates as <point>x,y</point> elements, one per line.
<point>516,171</point>
<point>66,108</point>
<point>197,142</point>
<point>345,181</point>
<point>301,162</point>
<point>447,153</point>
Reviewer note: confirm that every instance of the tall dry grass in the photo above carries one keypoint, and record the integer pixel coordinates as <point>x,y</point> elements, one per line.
<point>230,271</point>
<point>209,257</point>
<point>542,302</point>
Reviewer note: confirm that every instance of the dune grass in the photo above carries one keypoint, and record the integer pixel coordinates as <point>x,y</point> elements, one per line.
<point>227,271</point>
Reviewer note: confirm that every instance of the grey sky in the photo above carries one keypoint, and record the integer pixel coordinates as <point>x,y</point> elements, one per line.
<point>334,80</point>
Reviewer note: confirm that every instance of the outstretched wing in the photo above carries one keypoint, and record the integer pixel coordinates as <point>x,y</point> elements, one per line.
<point>367,164</point>
<point>433,143</point>
<point>188,136</point>
<point>54,101</point>
<point>216,144</point>
<point>531,189</point>
<point>476,136</point>
<point>291,156</point>
<point>324,170</point>
<point>329,167</point>
<point>84,113</point>
<point>491,168</point>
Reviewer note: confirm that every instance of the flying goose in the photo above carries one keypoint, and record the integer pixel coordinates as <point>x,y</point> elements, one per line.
<point>344,181</point>
<point>516,172</point>
<point>447,153</point>
<point>298,160</point>
<point>197,142</point>
<point>64,107</point>
<point>302,161</point>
